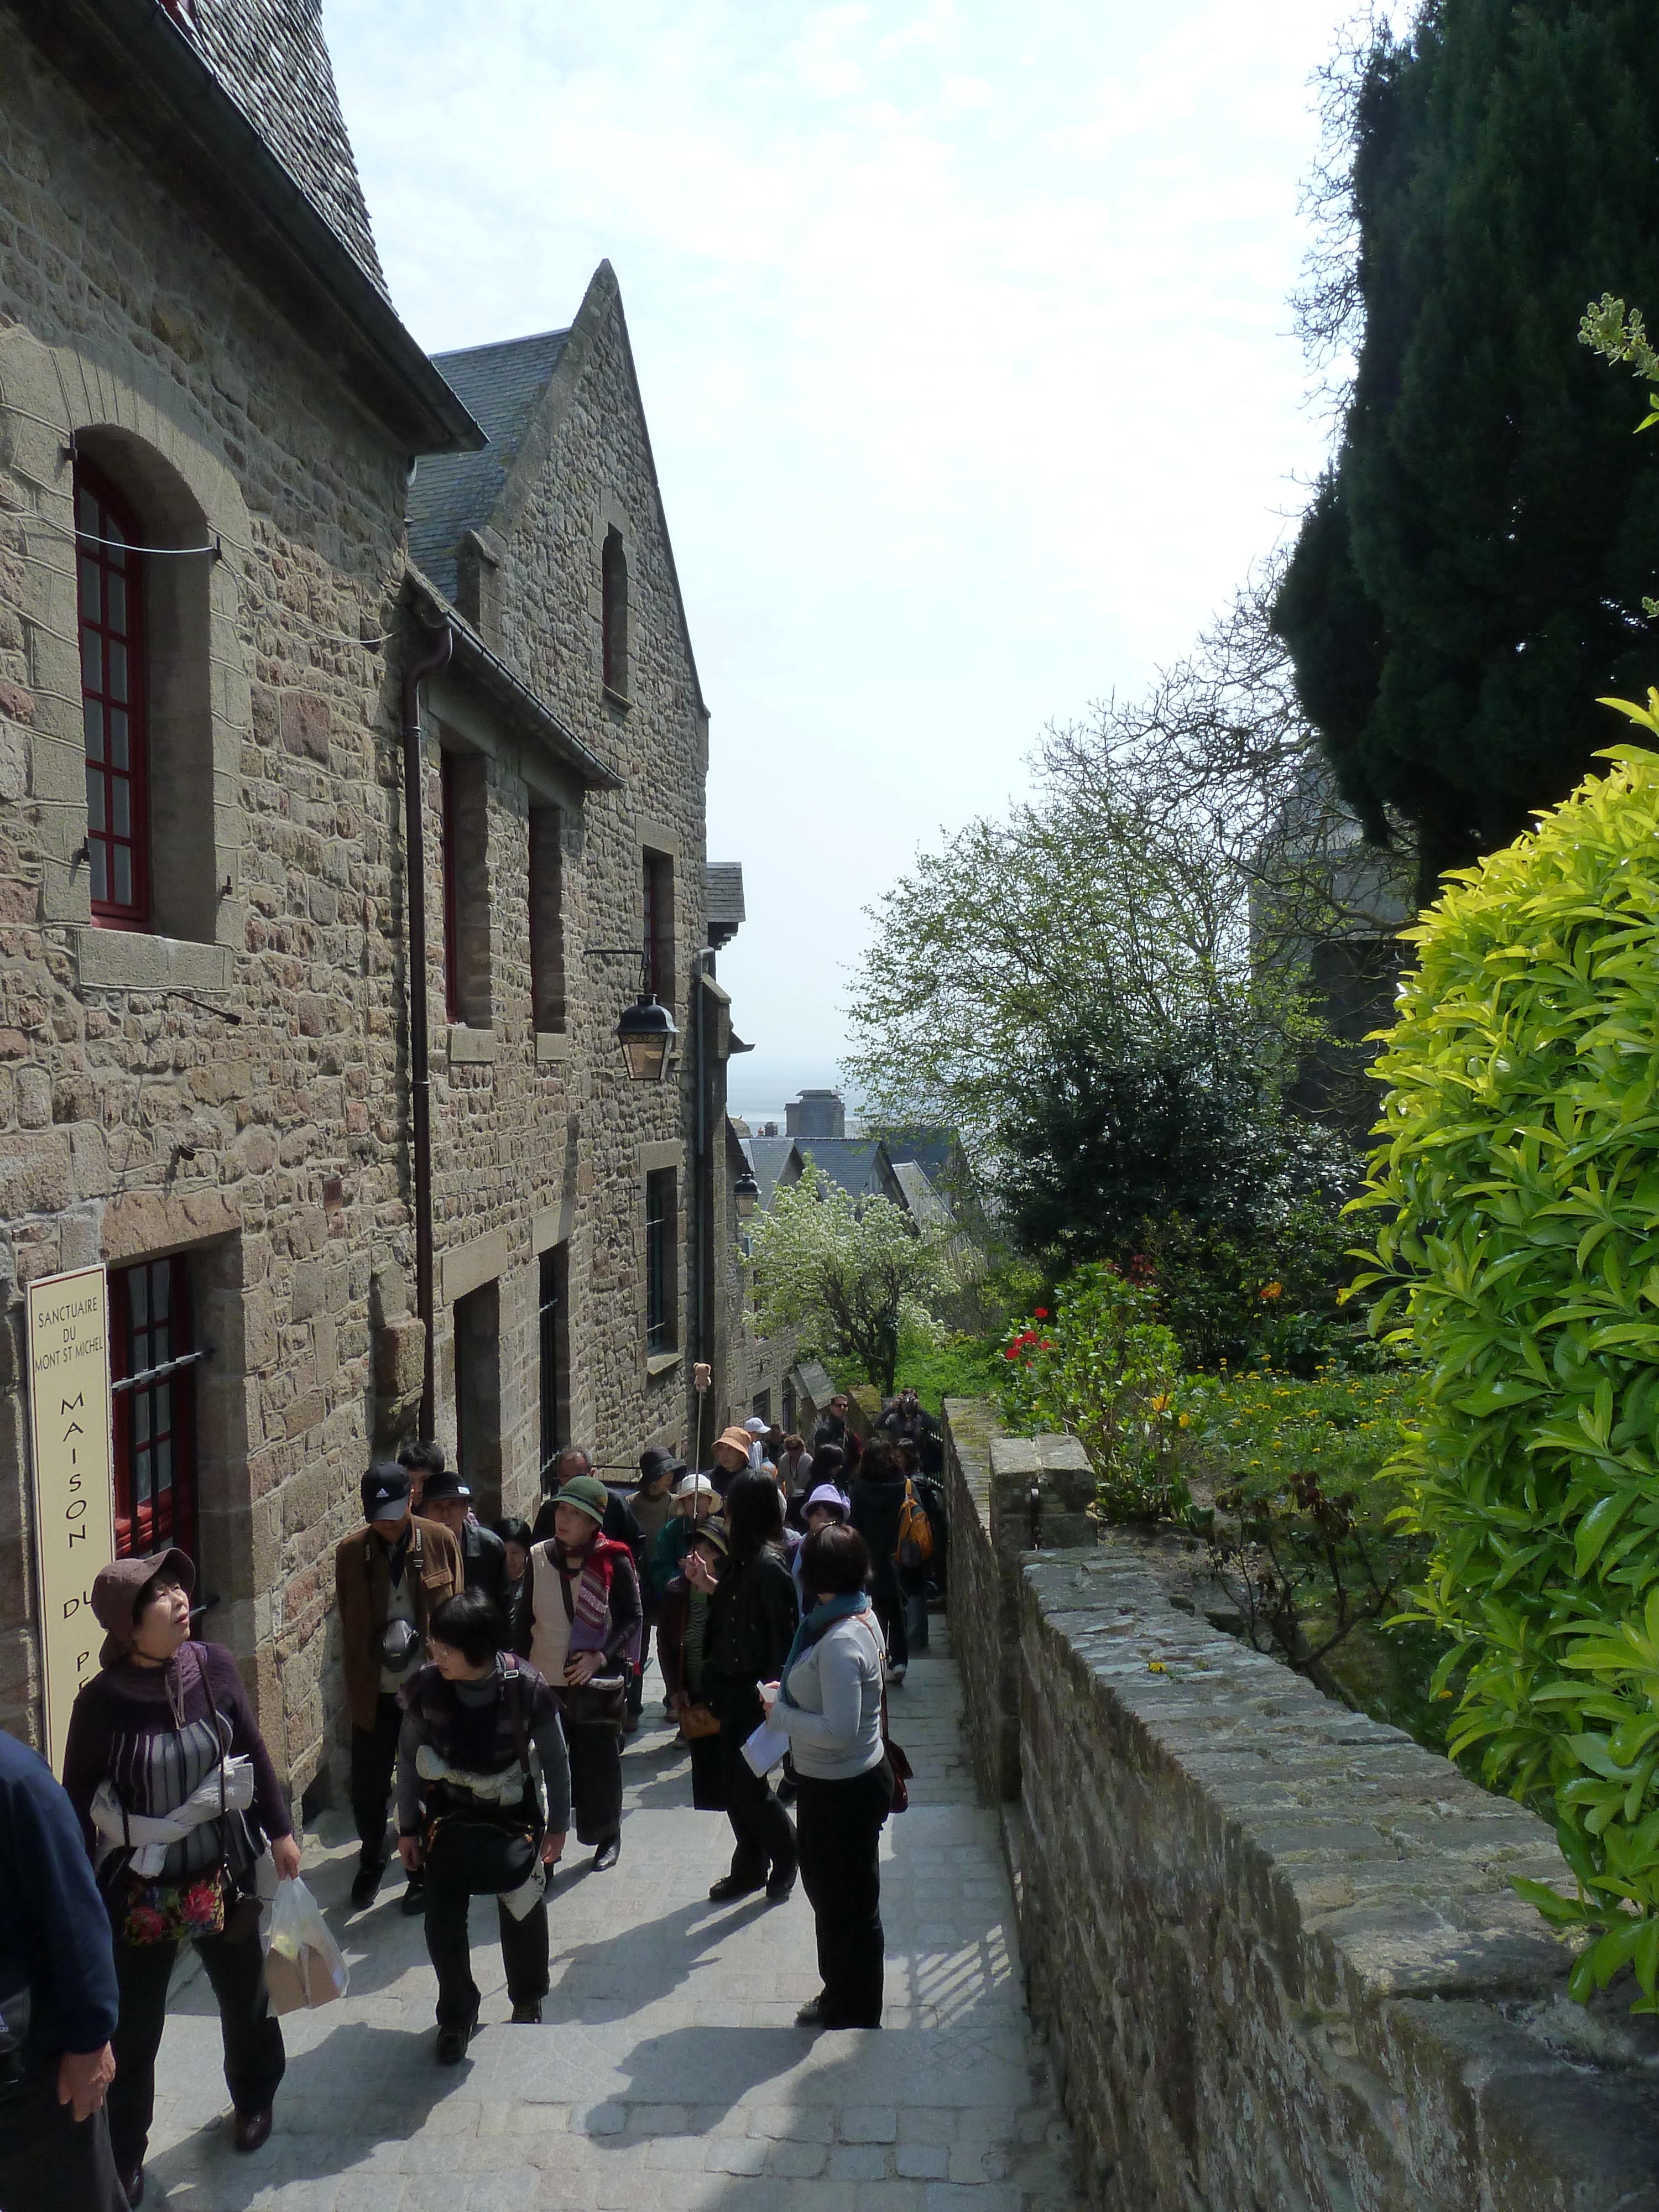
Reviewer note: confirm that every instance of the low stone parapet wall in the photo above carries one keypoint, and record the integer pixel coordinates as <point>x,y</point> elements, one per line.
<point>1274,1943</point>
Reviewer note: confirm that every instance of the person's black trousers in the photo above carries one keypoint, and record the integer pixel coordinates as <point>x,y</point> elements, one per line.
<point>596,1781</point>
<point>469,1859</point>
<point>765,1848</point>
<point>636,1680</point>
<point>840,1827</point>
<point>888,1600</point>
<point>254,2059</point>
<point>49,2162</point>
<point>373,1759</point>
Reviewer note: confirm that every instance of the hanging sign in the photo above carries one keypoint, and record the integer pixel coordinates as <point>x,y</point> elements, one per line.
<point>74,1479</point>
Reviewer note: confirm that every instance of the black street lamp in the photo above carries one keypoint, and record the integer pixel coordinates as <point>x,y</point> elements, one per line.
<point>646,1032</point>
<point>747,1193</point>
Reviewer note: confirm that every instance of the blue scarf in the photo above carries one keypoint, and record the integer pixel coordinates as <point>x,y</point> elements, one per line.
<point>817,1625</point>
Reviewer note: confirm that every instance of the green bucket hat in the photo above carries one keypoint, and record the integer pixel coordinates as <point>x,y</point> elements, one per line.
<point>588,1492</point>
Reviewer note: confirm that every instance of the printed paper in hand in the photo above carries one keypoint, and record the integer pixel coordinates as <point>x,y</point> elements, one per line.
<point>765,1749</point>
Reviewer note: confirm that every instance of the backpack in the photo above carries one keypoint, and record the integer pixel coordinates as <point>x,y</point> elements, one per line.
<point>915,1531</point>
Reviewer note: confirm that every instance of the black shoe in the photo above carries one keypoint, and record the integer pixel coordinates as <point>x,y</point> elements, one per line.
<point>453,2042</point>
<point>607,1855</point>
<point>734,1885</point>
<point>413,1900</point>
<point>781,1888</point>
<point>367,1881</point>
<point>812,2015</point>
<point>132,2181</point>
<point>529,2013</point>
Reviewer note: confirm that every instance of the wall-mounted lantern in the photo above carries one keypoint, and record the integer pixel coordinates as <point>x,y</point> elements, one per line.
<point>747,1193</point>
<point>646,1032</point>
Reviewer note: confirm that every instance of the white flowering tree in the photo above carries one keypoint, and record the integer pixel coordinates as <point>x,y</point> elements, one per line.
<point>848,1277</point>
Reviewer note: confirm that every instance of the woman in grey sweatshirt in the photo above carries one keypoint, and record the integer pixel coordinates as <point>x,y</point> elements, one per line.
<point>828,1704</point>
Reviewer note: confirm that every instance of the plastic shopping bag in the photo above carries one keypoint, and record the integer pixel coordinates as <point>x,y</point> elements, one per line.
<point>304,1967</point>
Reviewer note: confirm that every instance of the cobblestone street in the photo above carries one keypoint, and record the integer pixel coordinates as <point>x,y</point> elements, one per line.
<point>668,2072</point>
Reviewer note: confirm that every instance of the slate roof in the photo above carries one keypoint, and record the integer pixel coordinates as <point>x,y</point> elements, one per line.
<point>934,1150</point>
<point>500,386</point>
<point>769,1156</point>
<point>858,1164</point>
<point>271,57</point>
<point>723,896</point>
<point>924,1202</point>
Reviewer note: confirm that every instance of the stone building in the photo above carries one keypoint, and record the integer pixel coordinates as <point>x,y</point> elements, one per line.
<point>229,684</point>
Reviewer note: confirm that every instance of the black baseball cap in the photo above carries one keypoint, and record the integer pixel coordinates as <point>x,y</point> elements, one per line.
<point>386,1491</point>
<point>444,1482</point>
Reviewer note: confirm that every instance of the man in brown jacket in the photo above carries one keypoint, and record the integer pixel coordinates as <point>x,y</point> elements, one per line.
<point>390,1576</point>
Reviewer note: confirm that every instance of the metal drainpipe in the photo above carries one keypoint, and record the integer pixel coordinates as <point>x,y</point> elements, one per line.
<point>436,657</point>
<point>702,1336</point>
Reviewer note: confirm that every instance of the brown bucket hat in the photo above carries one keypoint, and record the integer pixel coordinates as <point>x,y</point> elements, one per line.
<point>115,1594</point>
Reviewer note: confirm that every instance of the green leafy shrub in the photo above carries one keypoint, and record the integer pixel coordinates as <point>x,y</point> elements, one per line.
<point>1301,1535</point>
<point>1272,1285</point>
<point>1518,1190</point>
<point>1101,1366</point>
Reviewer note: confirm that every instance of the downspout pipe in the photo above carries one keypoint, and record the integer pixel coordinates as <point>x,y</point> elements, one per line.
<point>435,657</point>
<point>703,1335</point>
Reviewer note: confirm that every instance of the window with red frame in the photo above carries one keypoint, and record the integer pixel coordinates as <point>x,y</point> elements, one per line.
<point>150,1337</point>
<point>109,585</point>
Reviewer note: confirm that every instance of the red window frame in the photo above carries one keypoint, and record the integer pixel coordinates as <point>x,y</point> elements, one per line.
<point>109,598</point>
<point>447,847</point>
<point>151,1323</point>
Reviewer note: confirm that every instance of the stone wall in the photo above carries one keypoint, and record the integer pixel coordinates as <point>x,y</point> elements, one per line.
<point>990,1482</point>
<point>1273,1942</point>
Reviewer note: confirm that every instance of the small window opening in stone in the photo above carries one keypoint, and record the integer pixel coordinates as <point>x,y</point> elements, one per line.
<point>466,857</point>
<point>660,1254</point>
<point>613,577</point>
<point>659,917</point>
<point>547,920</point>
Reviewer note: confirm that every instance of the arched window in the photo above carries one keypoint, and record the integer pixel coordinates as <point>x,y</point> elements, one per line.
<point>110,586</point>
<point>613,580</point>
<point>144,560</point>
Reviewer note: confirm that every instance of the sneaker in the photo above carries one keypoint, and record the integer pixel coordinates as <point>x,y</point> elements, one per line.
<point>367,1881</point>
<point>413,1901</point>
<point>453,2042</point>
<point>529,2013</point>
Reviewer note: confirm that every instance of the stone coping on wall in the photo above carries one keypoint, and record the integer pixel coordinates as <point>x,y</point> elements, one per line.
<point>1274,1942</point>
<point>1277,1940</point>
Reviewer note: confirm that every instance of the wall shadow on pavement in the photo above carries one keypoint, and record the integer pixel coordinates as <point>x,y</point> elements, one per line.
<point>380,2077</point>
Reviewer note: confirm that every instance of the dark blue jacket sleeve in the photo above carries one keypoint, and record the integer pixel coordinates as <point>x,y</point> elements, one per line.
<point>54,1930</point>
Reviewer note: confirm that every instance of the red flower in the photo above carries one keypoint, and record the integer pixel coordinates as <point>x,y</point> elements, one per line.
<point>1042,1312</point>
<point>1013,1352</point>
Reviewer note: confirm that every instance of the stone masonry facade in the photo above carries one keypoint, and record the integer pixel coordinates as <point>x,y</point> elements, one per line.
<point>1273,1942</point>
<point>228,1083</point>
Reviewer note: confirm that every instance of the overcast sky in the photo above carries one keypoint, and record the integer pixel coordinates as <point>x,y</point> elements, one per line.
<point>962,334</point>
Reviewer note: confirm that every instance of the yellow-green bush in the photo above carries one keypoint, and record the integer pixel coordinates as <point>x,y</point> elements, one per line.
<point>1517,1186</point>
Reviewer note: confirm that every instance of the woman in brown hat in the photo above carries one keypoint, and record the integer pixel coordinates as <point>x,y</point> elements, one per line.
<point>175,1791</point>
<point>579,1624</point>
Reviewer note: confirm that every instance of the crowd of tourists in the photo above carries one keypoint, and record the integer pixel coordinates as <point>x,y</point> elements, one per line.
<point>492,1676</point>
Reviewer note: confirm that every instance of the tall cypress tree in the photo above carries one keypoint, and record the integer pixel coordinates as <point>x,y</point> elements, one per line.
<point>1469,576</point>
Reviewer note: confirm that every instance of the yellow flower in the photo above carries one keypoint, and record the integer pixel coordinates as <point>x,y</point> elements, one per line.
<point>1271,1291</point>
<point>1161,1405</point>
<point>1185,1421</point>
<point>1157,1667</point>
